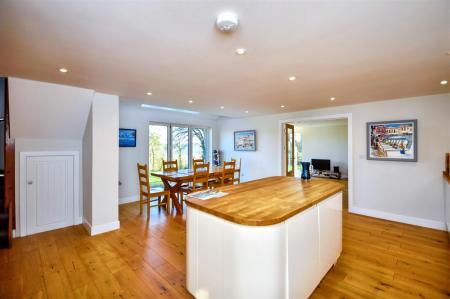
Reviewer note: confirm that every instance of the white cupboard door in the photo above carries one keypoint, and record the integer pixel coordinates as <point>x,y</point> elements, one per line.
<point>330,231</point>
<point>303,253</point>
<point>49,193</point>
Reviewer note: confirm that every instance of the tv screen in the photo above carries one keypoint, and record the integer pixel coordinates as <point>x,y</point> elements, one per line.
<point>127,138</point>
<point>321,164</point>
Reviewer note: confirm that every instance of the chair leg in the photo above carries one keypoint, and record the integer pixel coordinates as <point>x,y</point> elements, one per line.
<point>140,205</point>
<point>148,208</point>
<point>159,202</point>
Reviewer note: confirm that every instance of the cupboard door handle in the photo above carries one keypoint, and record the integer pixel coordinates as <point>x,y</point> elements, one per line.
<point>30,182</point>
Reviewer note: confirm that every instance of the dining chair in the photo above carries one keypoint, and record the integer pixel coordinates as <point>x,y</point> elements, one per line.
<point>170,165</point>
<point>237,170</point>
<point>195,161</point>
<point>199,180</point>
<point>146,192</point>
<point>226,176</point>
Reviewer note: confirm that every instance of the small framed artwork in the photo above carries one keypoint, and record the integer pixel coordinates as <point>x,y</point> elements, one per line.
<point>392,140</point>
<point>127,137</point>
<point>245,140</point>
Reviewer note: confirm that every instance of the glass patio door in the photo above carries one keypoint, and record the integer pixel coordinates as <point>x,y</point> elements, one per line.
<point>200,140</point>
<point>180,146</point>
<point>158,149</point>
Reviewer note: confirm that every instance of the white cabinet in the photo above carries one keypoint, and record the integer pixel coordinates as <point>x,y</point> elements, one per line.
<point>330,231</point>
<point>284,260</point>
<point>303,250</point>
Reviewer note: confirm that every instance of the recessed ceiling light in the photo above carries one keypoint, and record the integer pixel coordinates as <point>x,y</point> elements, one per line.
<point>282,106</point>
<point>292,78</point>
<point>63,70</point>
<point>222,107</point>
<point>444,82</point>
<point>149,93</point>
<point>241,51</point>
<point>332,99</point>
<point>190,101</point>
<point>246,111</point>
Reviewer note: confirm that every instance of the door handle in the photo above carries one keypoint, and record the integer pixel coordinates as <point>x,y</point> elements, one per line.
<point>30,182</point>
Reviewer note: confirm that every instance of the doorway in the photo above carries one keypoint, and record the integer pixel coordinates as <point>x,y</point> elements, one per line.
<point>325,142</point>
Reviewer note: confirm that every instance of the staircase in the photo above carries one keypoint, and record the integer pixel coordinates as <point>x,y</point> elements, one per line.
<point>7,202</point>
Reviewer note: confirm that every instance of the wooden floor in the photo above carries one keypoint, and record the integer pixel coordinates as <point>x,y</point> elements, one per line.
<point>380,259</point>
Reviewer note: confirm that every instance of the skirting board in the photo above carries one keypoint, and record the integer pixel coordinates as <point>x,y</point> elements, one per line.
<point>399,218</point>
<point>102,228</point>
<point>128,199</point>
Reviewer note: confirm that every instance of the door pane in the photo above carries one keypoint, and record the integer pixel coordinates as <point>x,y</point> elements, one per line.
<point>200,143</point>
<point>157,150</point>
<point>290,166</point>
<point>180,146</point>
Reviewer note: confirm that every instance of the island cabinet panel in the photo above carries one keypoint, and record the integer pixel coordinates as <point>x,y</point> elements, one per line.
<point>303,253</point>
<point>227,260</point>
<point>330,231</point>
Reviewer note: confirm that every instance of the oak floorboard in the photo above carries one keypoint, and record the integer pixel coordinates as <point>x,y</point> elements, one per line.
<point>146,258</point>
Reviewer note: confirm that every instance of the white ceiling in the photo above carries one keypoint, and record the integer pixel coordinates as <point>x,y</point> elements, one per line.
<point>356,51</point>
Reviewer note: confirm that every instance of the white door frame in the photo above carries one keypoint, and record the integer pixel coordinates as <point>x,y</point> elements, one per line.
<point>21,213</point>
<point>347,116</point>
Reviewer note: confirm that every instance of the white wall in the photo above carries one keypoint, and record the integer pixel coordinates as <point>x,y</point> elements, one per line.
<point>47,117</point>
<point>104,199</point>
<point>326,142</point>
<point>132,116</point>
<point>42,110</point>
<point>87,170</point>
<point>402,191</point>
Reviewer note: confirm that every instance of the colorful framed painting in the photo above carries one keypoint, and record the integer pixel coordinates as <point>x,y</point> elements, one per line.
<point>392,140</point>
<point>245,140</point>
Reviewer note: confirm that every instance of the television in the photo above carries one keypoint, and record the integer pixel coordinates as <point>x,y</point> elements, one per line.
<point>321,164</point>
<point>127,137</point>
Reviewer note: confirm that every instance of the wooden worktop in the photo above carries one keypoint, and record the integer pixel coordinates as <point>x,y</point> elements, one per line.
<point>266,201</point>
<point>446,177</point>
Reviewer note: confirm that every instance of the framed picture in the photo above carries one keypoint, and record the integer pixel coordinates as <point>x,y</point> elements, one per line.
<point>392,140</point>
<point>127,138</point>
<point>245,140</point>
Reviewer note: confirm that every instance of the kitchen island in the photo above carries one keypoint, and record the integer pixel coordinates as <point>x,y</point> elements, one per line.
<point>275,237</point>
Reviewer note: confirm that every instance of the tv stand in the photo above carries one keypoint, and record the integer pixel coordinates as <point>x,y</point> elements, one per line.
<point>326,174</point>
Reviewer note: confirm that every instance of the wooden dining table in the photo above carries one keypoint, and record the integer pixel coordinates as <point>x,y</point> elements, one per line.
<point>174,180</point>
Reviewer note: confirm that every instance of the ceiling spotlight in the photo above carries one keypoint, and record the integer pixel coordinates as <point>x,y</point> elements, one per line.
<point>149,93</point>
<point>63,70</point>
<point>240,51</point>
<point>246,111</point>
<point>444,82</point>
<point>190,101</point>
<point>282,106</point>
<point>222,107</point>
<point>227,21</point>
<point>332,99</point>
<point>292,78</point>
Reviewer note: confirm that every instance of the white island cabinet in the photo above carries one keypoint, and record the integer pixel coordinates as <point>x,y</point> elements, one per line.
<point>258,244</point>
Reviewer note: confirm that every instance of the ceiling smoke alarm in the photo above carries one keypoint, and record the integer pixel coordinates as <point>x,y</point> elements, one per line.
<point>227,21</point>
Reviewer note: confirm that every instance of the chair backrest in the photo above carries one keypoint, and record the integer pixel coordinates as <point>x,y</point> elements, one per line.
<point>201,176</point>
<point>144,183</point>
<point>170,165</point>
<point>238,162</point>
<point>227,175</point>
<point>196,161</point>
